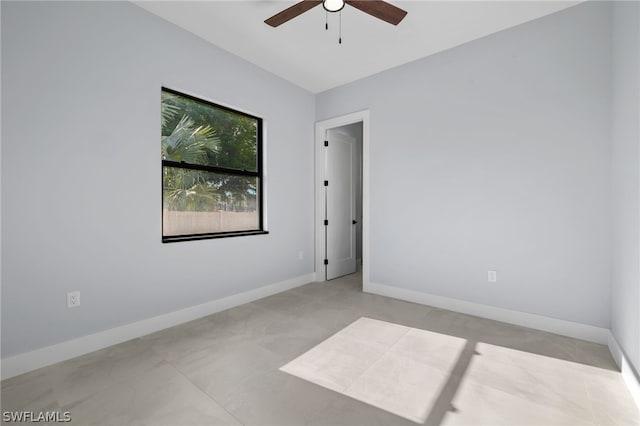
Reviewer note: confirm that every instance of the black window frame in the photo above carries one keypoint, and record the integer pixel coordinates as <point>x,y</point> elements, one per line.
<point>259,174</point>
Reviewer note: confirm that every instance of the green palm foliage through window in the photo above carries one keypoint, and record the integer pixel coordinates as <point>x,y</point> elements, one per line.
<point>210,167</point>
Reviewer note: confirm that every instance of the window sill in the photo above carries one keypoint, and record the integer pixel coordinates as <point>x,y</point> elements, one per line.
<point>177,238</point>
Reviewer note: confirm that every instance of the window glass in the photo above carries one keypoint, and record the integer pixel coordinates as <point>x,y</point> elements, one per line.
<point>211,175</point>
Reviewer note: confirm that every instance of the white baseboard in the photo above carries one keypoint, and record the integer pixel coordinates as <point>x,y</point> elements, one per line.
<point>539,322</point>
<point>28,361</point>
<point>628,373</point>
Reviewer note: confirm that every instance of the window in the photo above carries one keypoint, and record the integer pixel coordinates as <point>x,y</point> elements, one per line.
<point>211,170</point>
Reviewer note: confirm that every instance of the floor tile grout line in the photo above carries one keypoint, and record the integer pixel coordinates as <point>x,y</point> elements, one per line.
<point>589,400</point>
<point>377,360</point>
<point>205,393</point>
<point>323,341</point>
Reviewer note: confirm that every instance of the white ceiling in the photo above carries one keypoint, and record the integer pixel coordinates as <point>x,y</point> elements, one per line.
<point>302,52</point>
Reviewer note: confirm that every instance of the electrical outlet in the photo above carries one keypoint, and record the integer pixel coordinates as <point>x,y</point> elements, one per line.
<point>300,255</point>
<point>492,276</point>
<point>73,299</point>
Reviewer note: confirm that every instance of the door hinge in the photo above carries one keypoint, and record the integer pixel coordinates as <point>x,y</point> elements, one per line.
<point>326,222</point>
<point>326,183</point>
<point>326,261</point>
<point>326,143</point>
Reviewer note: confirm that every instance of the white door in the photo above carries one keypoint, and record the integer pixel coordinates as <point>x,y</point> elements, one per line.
<point>340,204</point>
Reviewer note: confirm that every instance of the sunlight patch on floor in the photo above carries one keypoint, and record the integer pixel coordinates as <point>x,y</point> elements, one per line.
<point>393,367</point>
<point>500,384</point>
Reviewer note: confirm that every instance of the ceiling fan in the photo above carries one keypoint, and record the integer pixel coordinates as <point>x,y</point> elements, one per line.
<point>378,8</point>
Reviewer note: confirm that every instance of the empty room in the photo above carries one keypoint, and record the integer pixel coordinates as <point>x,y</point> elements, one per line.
<point>338,212</point>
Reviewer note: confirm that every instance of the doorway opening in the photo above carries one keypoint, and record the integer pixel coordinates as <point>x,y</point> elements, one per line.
<point>342,197</point>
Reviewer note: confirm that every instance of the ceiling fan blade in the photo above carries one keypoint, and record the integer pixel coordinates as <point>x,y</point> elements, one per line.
<point>291,12</point>
<point>380,9</point>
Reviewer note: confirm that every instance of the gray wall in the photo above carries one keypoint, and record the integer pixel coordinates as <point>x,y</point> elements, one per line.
<point>625,310</point>
<point>81,190</point>
<point>496,155</point>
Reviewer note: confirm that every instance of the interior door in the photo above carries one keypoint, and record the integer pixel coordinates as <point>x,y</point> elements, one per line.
<point>340,204</point>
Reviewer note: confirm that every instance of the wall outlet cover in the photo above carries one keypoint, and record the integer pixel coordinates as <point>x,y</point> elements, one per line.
<point>73,299</point>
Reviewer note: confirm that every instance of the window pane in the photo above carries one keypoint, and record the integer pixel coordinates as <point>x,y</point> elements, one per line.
<point>198,132</point>
<point>197,202</point>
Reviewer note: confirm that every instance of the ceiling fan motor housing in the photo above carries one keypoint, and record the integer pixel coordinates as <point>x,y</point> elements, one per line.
<point>333,5</point>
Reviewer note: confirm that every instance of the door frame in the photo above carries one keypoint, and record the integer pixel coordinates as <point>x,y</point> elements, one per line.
<point>321,131</point>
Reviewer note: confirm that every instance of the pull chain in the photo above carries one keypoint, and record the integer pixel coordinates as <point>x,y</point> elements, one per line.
<point>326,20</point>
<point>340,30</point>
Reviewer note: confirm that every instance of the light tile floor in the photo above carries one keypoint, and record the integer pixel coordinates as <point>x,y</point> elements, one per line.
<point>224,370</point>
<point>396,368</point>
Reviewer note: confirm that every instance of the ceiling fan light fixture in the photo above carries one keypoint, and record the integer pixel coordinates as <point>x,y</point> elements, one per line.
<point>377,8</point>
<point>333,5</point>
